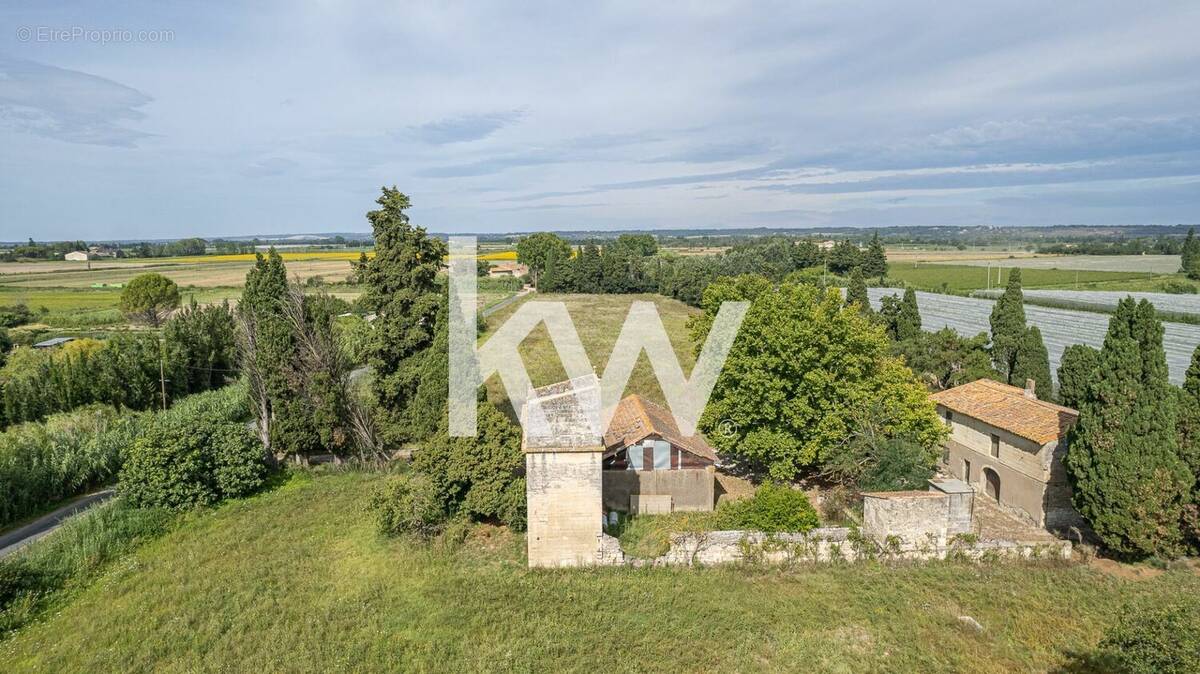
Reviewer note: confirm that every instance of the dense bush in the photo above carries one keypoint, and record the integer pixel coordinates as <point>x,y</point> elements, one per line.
<point>42,463</point>
<point>1154,639</point>
<point>773,508</point>
<point>127,371</point>
<point>898,465</point>
<point>407,503</point>
<point>479,477</point>
<point>197,453</point>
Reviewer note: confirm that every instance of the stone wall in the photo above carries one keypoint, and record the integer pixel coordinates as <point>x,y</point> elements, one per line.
<point>908,519</point>
<point>563,494</point>
<point>824,545</point>
<point>690,489</point>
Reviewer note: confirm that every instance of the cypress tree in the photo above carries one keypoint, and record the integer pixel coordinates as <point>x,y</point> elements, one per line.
<point>1189,257</point>
<point>1189,416</point>
<point>1008,327</point>
<point>1033,362</point>
<point>857,292</point>
<point>1128,479</point>
<point>908,322</point>
<point>875,260</point>
<point>551,278</point>
<point>1079,369</point>
<point>402,289</point>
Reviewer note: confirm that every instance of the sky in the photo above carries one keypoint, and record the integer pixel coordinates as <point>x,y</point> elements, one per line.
<point>170,119</point>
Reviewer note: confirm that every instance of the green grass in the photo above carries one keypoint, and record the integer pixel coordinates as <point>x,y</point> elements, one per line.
<point>598,320</point>
<point>965,278</point>
<point>298,580</point>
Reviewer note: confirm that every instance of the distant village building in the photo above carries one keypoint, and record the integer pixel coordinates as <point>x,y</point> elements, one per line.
<point>1009,445</point>
<point>78,256</point>
<point>513,269</point>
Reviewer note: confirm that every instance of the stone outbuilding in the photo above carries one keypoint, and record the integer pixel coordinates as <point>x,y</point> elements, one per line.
<point>1009,445</point>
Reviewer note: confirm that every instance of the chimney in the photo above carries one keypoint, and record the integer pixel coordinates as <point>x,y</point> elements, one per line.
<point>1031,389</point>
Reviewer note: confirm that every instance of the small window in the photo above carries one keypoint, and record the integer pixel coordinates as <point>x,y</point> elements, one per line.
<point>966,471</point>
<point>949,417</point>
<point>995,445</point>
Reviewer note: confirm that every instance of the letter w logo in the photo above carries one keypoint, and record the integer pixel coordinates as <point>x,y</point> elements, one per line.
<point>471,366</point>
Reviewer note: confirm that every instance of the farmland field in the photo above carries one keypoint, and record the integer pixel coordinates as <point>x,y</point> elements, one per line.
<point>598,320</point>
<point>233,590</point>
<point>1060,327</point>
<point>1107,299</point>
<point>1152,264</point>
<point>966,277</point>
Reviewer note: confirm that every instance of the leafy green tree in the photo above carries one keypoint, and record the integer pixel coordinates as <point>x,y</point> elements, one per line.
<point>201,346</point>
<point>1128,479</point>
<point>1009,334</point>
<point>801,374</point>
<point>1033,362</point>
<point>844,256</point>
<point>265,346</point>
<point>1079,369</point>
<point>642,245</point>
<point>856,293</point>
<point>908,321</point>
<point>534,250</point>
<point>149,298</point>
<point>874,263</point>
<point>943,359</point>
<point>401,288</point>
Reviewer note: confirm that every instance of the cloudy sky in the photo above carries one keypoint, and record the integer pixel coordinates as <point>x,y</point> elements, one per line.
<point>288,116</point>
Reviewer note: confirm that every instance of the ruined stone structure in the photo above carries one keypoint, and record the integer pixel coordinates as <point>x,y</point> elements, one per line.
<point>563,487</point>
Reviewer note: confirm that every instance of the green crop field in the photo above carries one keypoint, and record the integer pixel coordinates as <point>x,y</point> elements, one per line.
<point>297,580</point>
<point>598,320</point>
<point>961,278</point>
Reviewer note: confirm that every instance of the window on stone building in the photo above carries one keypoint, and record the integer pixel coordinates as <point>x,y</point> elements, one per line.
<point>995,445</point>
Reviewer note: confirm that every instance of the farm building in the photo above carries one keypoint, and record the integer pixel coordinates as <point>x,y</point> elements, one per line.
<point>1009,445</point>
<point>513,269</point>
<point>78,256</point>
<point>650,465</point>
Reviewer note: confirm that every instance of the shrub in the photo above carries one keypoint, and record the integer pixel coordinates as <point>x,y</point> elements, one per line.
<point>42,463</point>
<point>407,504</point>
<point>899,465</point>
<point>1179,288</point>
<point>773,508</point>
<point>197,453</point>
<point>1154,639</point>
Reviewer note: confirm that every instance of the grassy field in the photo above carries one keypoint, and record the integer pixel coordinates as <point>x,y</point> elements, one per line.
<point>965,278</point>
<point>297,580</point>
<point>598,320</point>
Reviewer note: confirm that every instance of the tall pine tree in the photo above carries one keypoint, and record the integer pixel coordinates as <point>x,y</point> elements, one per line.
<point>1189,257</point>
<point>874,264</point>
<point>1008,327</point>
<point>1078,370</point>
<point>1128,479</point>
<point>402,290</point>
<point>1189,416</point>
<point>908,323</point>
<point>857,293</point>
<point>1033,362</point>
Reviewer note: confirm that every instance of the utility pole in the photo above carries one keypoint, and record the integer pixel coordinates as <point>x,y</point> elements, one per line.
<point>162,380</point>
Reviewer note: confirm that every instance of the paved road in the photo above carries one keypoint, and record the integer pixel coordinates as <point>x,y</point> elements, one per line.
<point>505,302</point>
<point>19,538</point>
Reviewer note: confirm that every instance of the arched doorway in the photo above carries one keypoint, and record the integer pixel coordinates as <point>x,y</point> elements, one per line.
<point>991,483</point>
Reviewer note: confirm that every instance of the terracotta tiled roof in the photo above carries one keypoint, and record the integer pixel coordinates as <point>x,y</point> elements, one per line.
<point>1007,408</point>
<point>636,418</point>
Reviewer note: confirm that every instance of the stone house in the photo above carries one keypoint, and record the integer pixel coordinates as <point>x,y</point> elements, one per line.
<point>1009,445</point>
